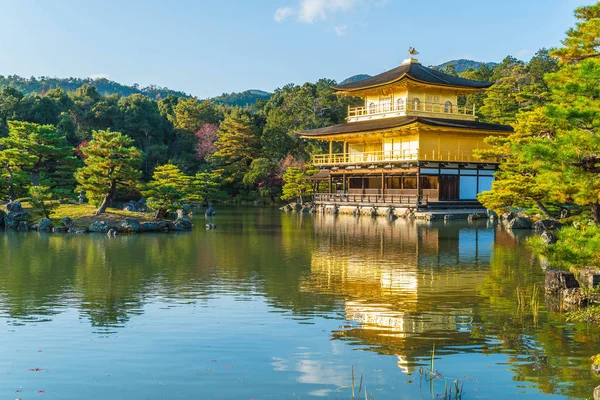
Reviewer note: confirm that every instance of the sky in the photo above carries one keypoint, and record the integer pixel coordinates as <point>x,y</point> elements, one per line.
<point>206,48</point>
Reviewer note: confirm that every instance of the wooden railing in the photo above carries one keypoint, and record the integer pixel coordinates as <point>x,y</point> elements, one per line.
<point>374,157</point>
<point>382,199</point>
<point>425,107</point>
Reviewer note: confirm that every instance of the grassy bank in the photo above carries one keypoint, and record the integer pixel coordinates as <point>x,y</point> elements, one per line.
<point>83,215</point>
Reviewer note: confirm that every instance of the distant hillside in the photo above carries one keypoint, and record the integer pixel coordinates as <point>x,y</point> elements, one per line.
<point>242,99</point>
<point>464,65</point>
<point>104,86</point>
<point>355,78</point>
<point>107,87</point>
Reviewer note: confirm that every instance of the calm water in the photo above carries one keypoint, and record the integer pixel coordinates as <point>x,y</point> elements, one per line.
<point>274,305</point>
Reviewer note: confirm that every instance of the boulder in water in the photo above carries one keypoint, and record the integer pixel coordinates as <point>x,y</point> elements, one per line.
<point>546,225</point>
<point>520,223</point>
<point>45,225</point>
<point>475,216</point>
<point>557,281</point>
<point>508,216</point>
<point>548,237</point>
<point>59,229</point>
<point>14,207</point>
<point>78,230</point>
<point>99,227</point>
<point>183,224</point>
<point>150,227</point>
<point>210,211</point>
<point>111,232</point>
<point>130,225</point>
<point>67,222</point>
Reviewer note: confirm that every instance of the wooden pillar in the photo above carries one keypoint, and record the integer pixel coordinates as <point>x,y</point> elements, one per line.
<point>419,188</point>
<point>344,183</point>
<point>330,149</point>
<point>345,147</point>
<point>330,178</point>
<point>362,187</point>
<point>383,183</point>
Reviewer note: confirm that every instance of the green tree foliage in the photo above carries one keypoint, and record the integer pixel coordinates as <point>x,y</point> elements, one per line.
<point>189,114</point>
<point>39,197</point>
<point>294,108</point>
<point>206,187</point>
<point>296,187</point>
<point>166,189</point>
<point>12,158</point>
<point>517,88</point>
<point>39,150</point>
<point>237,145</point>
<point>263,177</point>
<point>111,163</point>
<point>140,119</point>
<point>557,145</point>
<point>575,247</point>
<point>519,180</point>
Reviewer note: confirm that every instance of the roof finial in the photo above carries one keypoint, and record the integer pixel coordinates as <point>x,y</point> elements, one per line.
<point>411,59</point>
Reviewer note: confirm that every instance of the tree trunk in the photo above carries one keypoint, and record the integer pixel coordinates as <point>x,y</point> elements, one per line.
<point>11,189</point>
<point>543,209</point>
<point>160,213</point>
<point>104,204</point>
<point>34,178</point>
<point>595,207</point>
<point>113,193</point>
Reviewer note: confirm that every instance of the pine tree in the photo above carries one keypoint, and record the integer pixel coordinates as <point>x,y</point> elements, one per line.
<point>519,180</point>
<point>237,145</point>
<point>40,197</point>
<point>574,156</point>
<point>296,187</point>
<point>111,163</point>
<point>205,187</point>
<point>41,149</point>
<point>557,146</point>
<point>166,189</point>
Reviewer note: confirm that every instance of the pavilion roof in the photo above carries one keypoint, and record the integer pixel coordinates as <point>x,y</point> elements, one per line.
<point>416,72</point>
<point>388,123</point>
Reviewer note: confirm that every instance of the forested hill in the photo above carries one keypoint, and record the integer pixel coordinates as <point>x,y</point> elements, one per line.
<point>107,87</point>
<point>104,86</point>
<point>242,99</point>
<point>465,65</point>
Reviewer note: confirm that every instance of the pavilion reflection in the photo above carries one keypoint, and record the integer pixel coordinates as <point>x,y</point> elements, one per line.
<point>406,284</point>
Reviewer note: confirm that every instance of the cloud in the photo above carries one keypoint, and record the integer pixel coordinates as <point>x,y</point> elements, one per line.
<point>524,53</point>
<point>341,30</point>
<point>283,13</point>
<point>99,76</point>
<point>311,11</point>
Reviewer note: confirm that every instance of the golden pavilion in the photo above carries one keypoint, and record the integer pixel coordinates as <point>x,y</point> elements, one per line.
<point>409,144</point>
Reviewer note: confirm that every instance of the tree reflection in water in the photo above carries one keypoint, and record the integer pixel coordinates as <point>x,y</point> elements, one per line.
<point>396,287</point>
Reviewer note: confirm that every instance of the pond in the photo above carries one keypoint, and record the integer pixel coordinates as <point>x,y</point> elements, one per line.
<point>275,305</point>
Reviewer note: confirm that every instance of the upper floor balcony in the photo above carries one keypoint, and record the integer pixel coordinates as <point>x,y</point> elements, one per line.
<point>380,158</point>
<point>414,107</point>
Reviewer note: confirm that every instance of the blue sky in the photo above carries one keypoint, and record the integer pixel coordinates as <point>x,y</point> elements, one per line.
<point>206,48</point>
